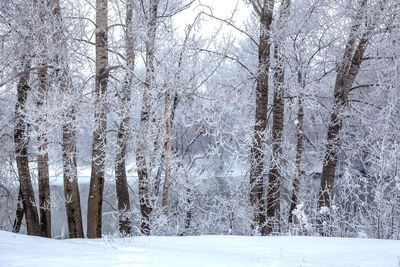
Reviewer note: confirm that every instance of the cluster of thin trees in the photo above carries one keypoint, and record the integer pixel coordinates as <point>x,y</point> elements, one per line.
<point>228,130</point>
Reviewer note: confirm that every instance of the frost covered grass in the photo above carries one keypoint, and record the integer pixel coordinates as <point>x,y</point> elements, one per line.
<point>21,250</point>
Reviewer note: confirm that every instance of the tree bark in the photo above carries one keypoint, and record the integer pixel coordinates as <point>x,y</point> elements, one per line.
<point>42,157</point>
<point>142,151</point>
<point>122,138</point>
<point>168,148</point>
<point>260,128</point>
<point>44,189</point>
<point>70,176</point>
<point>95,199</point>
<point>299,153</point>
<point>274,177</point>
<point>278,109</point>
<point>69,141</point>
<point>69,133</point>
<point>346,75</point>
<point>19,214</point>
<point>71,189</point>
<point>21,151</point>
<point>43,161</point>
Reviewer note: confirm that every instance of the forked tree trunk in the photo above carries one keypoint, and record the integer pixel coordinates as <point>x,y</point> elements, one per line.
<point>122,138</point>
<point>21,151</point>
<point>260,128</point>
<point>142,151</point>
<point>95,199</point>
<point>346,75</point>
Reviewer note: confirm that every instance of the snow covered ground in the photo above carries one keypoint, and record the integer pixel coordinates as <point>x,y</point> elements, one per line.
<point>21,250</point>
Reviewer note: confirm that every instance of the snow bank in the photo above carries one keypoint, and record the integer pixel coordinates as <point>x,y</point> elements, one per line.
<point>21,250</point>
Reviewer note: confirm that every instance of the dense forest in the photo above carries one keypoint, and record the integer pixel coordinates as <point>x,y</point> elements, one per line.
<point>277,117</point>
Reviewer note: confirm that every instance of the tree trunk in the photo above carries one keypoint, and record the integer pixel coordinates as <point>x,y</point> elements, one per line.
<point>274,177</point>
<point>142,151</point>
<point>21,151</point>
<point>42,157</point>
<point>168,148</point>
<point>122,138</point>
<point>346,76</point>
<point>43,160</point>
<point>44,191</point>
<point>69,133</point>
<point>260,128</point>
<point>299,153</point>
<point>95,199</point>
<point>70,175</point>
<point>19,214</point>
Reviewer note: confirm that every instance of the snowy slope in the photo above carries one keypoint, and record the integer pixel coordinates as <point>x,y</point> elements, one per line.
<point>20,250</point>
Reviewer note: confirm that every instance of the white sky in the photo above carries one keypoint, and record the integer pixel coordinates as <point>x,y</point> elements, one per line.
<point>219,8</point>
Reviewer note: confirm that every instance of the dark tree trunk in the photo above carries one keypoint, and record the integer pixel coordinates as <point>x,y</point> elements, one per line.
<point>70,176</point>
<point>260,128</point>
<point>95,199</point>
<point>21,151</point>
<point>43,162</point>
<point>42,157</point>
<point>299,153</point>
<point>142,151</point>
<point>19,214</point>
<point>168,152</point>
<point>44,193</point>
<point>122,138</point>
<point>346,75</point>
<point>274,177</point>
<point>71,189</point>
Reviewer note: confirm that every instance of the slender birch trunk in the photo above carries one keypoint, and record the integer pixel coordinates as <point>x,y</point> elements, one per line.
<point>95,199</point>
<point>169,120</point>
